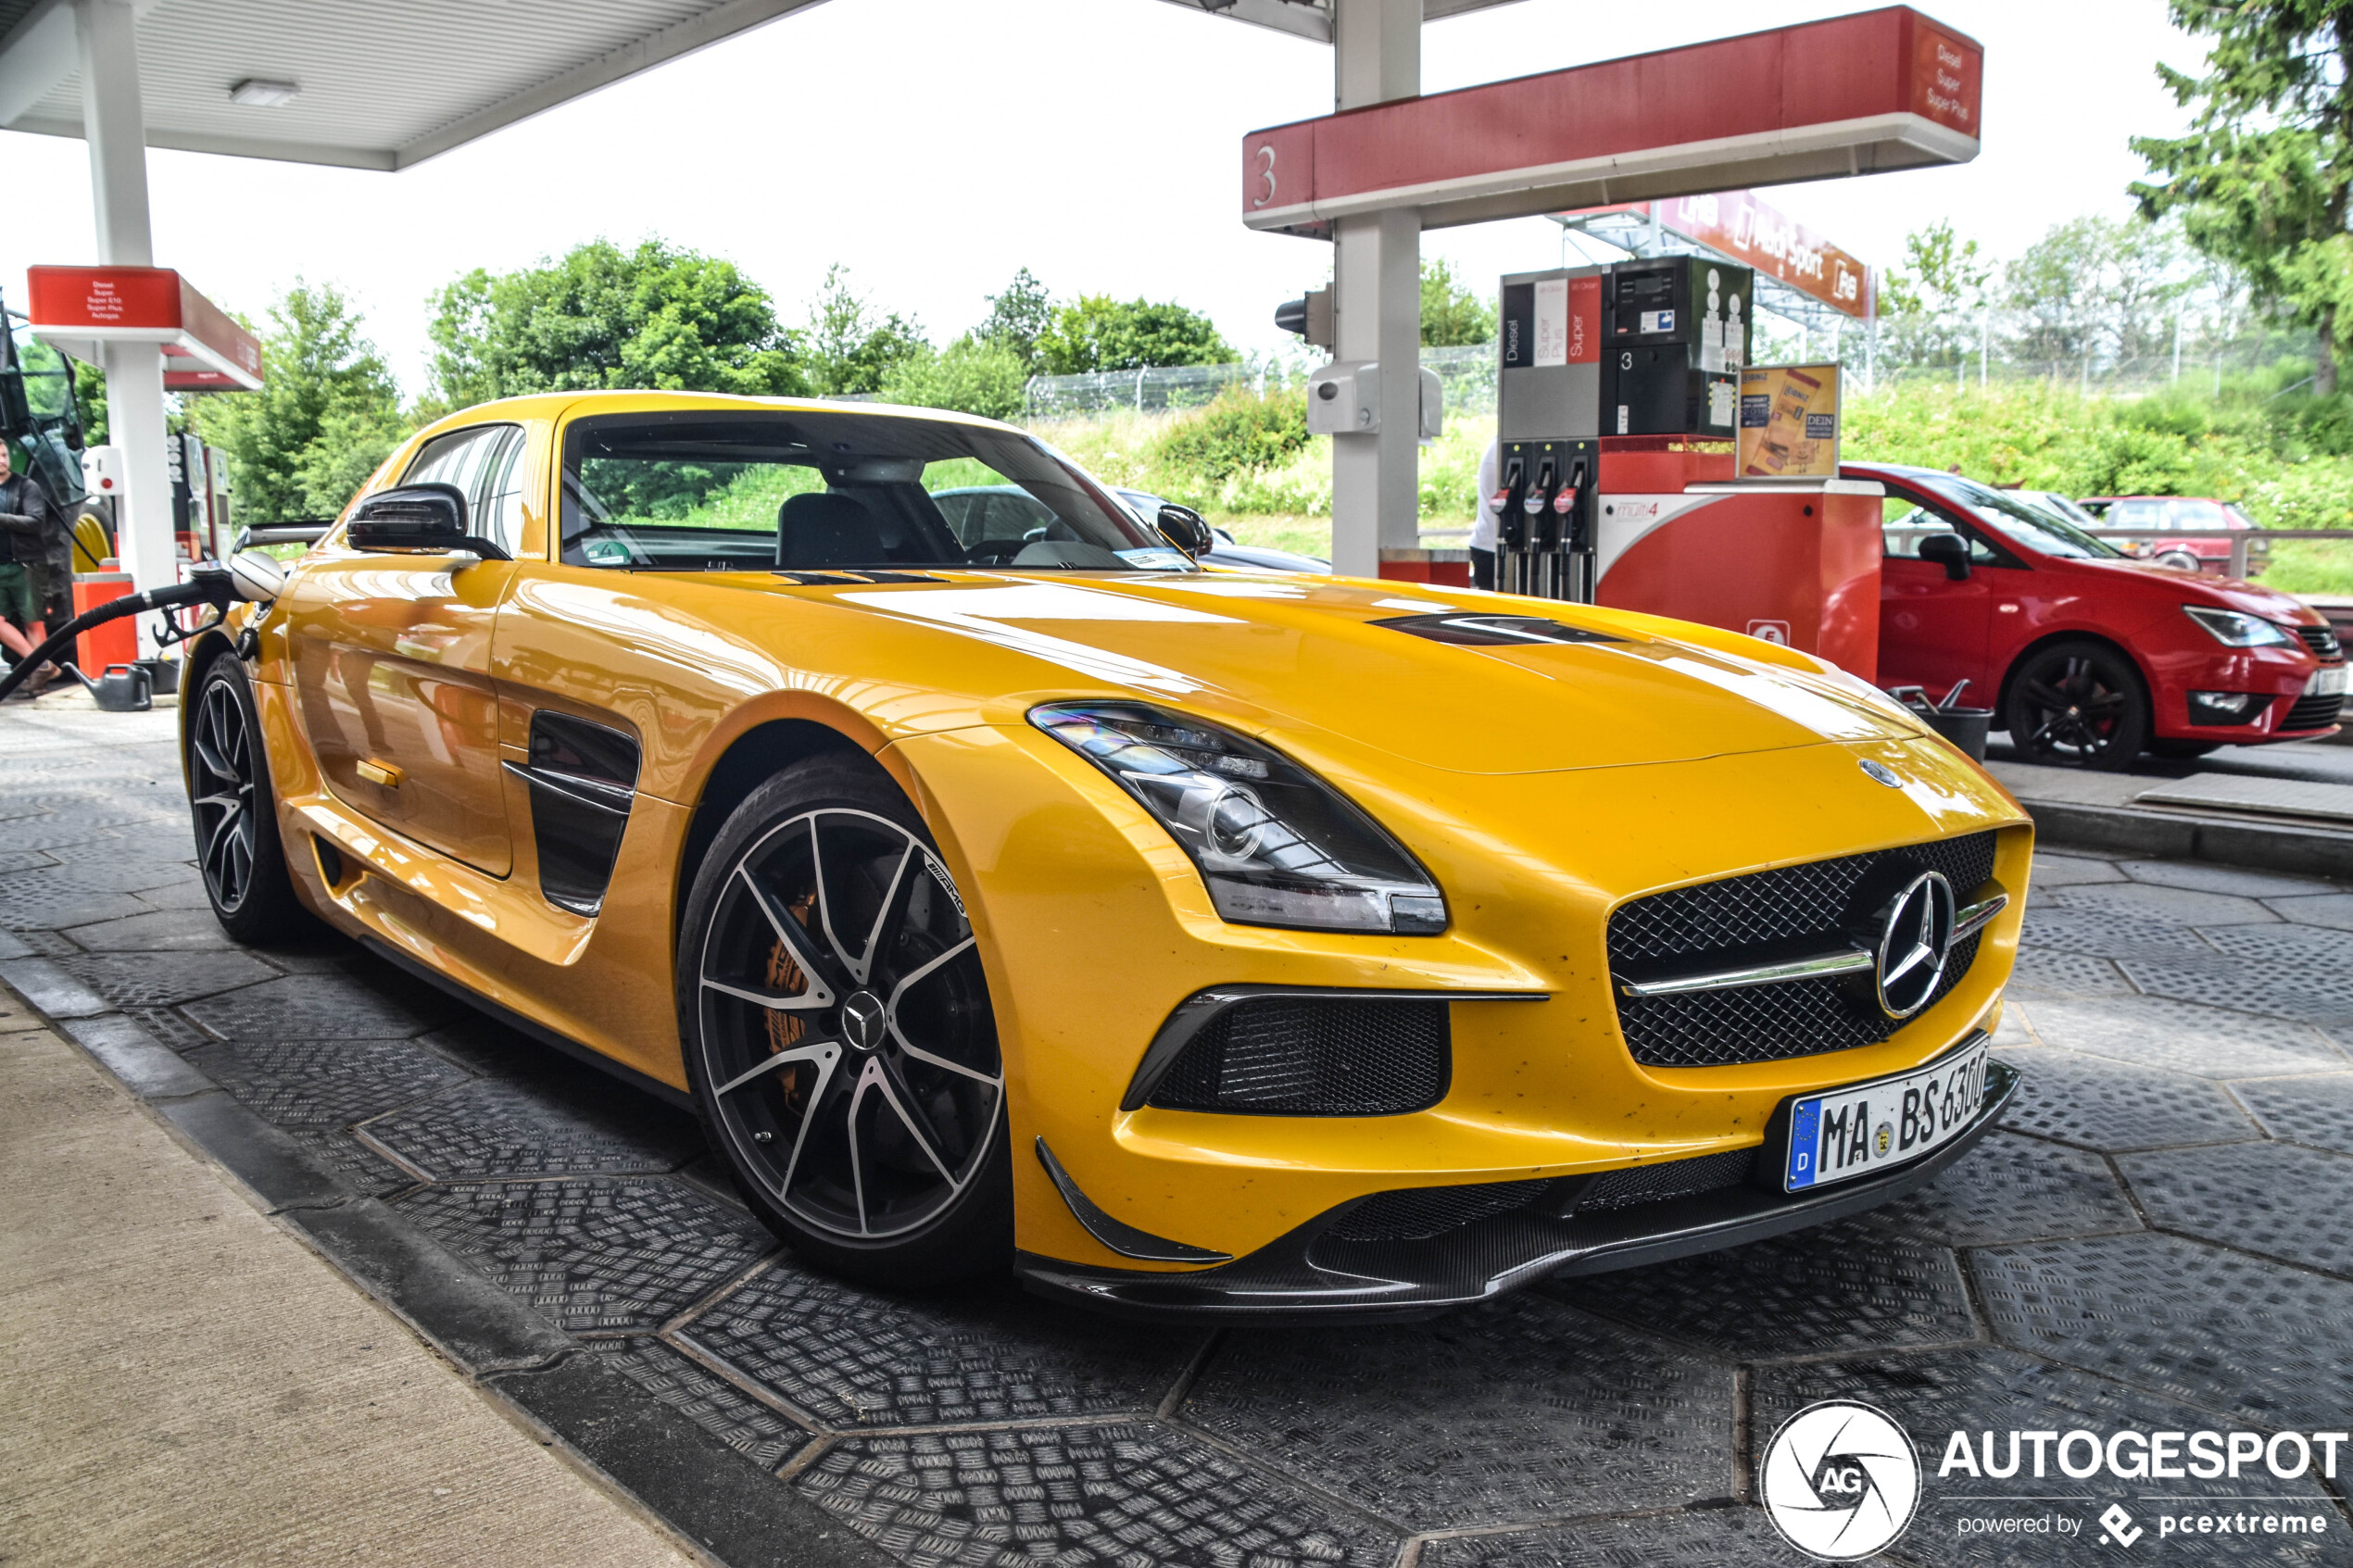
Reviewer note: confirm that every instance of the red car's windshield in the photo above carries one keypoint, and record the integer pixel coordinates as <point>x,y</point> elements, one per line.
<point>2037,529</point>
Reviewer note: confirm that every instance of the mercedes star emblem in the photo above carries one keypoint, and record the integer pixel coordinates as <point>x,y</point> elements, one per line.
<point>1914,943</point>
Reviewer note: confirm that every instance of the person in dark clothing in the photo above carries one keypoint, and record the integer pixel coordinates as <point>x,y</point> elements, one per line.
<point>30,530</point>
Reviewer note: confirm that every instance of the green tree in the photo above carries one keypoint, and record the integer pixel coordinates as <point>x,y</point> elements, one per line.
<point>1928,307</point>
<point>1097,333</point>
<point>1453,313</point>
<point>2095,286</point>
<point>89,403</point>
<point>1018,318</point>
<point>2262,177</point>
<point>326,415</point>
<point>606,318</point>
<point>973,375</point>
<point>849,348</point>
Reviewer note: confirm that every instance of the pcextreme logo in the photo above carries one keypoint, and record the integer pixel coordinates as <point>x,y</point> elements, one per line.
<point>1840,1480</point>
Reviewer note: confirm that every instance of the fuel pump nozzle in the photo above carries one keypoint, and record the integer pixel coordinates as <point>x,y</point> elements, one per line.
<point>1572,529</point>
<point>1512,524</point>
<point>1546,534</point>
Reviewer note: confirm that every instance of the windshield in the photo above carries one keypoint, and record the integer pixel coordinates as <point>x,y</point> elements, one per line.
<point>708,490</point>
<point>2031,526</point>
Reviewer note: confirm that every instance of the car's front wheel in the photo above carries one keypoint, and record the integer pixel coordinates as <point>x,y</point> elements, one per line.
<point>839,1034</point>
<point>238,850</point>
<point>2079,701</point>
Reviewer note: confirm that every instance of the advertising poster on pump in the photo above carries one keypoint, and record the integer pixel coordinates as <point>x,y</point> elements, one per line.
<point>1789,421</point>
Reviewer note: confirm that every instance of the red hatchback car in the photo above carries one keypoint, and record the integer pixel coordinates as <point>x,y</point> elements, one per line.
<point>2170,513</point>
<point>2086,654</point>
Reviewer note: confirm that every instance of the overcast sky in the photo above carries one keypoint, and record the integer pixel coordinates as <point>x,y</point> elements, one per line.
<point>936,145</point>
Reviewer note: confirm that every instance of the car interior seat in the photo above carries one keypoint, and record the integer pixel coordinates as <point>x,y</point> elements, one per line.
<point>826,529</point>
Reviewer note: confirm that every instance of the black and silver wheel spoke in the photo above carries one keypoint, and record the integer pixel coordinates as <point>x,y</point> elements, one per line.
<point>846,1025</point>
<point>223,799</point>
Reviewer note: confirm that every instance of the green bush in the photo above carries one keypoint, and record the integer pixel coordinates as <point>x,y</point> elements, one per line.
<point>1239,432</point>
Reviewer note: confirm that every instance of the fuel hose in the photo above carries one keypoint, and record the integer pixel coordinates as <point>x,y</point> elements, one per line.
<point>247,577</point>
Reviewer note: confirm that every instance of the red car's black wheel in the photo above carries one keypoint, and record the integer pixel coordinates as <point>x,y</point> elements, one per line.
<point>839,1034</point>
<point>2079,701</point>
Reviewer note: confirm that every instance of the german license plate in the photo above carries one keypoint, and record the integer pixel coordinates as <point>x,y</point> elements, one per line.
<point>2327,682</point>
<point>1867,1128</point>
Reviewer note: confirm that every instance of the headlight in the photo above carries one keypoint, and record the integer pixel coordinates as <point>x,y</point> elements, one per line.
<point>1275,843</point>
<point>2236,631</point>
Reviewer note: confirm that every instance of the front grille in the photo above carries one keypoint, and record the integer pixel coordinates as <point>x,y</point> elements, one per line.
<point>2323,642</point>
<point>1788,912</point>
<point>1676,1178</point>
<point>1419,1213</point>
<point>1288,1055</point>
<point>2311,713</point>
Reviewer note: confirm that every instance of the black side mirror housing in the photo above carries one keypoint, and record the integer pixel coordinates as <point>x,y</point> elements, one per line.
<point>1951,550</point>
<point>429,516</point>
<point>1186,529</point>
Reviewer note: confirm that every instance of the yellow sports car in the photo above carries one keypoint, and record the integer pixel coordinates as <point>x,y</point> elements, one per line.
<point>1006,891</point>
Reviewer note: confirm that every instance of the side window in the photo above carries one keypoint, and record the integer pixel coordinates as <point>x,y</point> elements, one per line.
<point>499,512</point>
<point>485,463</point>
<point>1905,522</point>
<point>2138,514</point>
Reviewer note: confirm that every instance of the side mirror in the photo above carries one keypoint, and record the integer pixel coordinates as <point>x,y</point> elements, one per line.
<point>413,517</point>
<point>1951,550</point>
<point>417,517</point>
<point>1186,529</point>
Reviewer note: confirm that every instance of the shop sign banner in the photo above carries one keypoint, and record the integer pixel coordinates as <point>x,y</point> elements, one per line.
<point>1789,421</point>
<point>1740,225</point>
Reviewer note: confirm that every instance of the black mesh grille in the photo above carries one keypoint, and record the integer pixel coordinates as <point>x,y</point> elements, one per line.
<point>1418,1213</point>
<point>1790,910</point>
<point>1676,1178</point>
<point>1285,1056</point>
<point>2312,713</point>
<point>2323,641</point>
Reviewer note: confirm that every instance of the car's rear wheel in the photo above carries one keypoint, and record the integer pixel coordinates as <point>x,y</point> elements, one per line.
<point>2180,560</point>
<point>238,850</point>
<point>2078,702</point>
<point>839,1034</point>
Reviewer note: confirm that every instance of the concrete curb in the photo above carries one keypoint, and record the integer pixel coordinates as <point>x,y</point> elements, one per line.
<point>696,1485</point>
<point>2266,846</point>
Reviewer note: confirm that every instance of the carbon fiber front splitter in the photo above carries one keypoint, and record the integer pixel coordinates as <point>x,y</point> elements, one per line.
<point>1309,1274</point>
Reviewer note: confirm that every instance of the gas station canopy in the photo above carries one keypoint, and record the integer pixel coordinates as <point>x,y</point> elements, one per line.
<point>386,84</point>
<point>75,309</point>
<point>376,83</point>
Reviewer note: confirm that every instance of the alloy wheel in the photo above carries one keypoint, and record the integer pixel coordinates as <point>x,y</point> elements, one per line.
<point>2073,709</point>
<point>224,801</point>
<point>847,1036</point>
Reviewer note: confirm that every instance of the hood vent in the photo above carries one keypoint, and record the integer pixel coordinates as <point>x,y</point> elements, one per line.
<point>1494,631</point>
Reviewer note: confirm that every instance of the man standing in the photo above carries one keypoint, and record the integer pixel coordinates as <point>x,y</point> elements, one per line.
<point>1486,528</point>
<point>29,558</point>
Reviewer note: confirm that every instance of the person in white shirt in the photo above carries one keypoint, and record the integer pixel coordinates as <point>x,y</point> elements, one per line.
<point>1486,525</point>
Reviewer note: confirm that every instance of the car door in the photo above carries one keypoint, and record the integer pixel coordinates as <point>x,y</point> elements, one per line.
<point>1933,631</point>
<point>391,666</point>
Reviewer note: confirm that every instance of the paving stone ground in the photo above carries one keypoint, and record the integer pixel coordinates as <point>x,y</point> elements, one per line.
<point>2158,1239</point>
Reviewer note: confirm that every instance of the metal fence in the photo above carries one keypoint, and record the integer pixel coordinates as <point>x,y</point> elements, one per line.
<point>1989,348</point>
<point>1468,374</point>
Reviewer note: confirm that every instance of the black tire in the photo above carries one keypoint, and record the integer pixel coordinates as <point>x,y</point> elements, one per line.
<point>839,1036</point>
<point>2180,560</point>
<point>2183,747</point>
<point>2080,702</point>
<point>236,811</point>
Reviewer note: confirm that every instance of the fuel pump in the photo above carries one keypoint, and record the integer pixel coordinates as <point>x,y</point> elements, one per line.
<point>1548,414</point>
